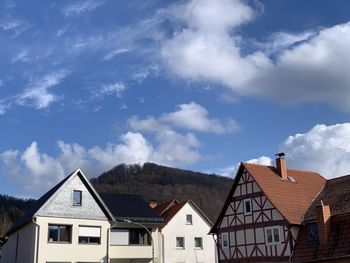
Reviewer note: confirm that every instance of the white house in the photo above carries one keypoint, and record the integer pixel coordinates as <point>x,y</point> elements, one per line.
<point>184,236</point>
<point>71,223</point>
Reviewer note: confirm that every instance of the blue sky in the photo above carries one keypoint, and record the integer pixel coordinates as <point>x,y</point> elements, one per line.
<point>195,84</point>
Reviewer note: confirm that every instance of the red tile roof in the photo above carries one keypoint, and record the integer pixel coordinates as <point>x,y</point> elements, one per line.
<point>291,199</point>
<point>336,194</point>
<point>338,245</point>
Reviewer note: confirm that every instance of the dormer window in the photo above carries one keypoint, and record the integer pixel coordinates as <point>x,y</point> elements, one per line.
<point>77,198</point>
<point>247,206</point>
<point>188,219</point>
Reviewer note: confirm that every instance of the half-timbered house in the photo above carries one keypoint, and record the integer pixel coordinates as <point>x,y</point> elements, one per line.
<point>263,212</point>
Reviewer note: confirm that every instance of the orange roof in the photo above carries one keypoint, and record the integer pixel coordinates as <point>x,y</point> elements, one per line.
<point>291,199</point>
<point>169,209</point>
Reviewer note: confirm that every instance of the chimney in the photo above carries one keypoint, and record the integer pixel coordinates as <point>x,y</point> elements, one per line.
<point>281,166</point>
<point>153,203</point>
<point>323,222</point>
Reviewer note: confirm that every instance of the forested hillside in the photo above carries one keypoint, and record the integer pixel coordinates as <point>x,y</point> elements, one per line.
<point>151,181</point>
<point>161,183</point>
<point>10,209</point>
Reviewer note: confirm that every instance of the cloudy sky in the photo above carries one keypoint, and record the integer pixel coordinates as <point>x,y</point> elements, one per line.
<point>196,84</point>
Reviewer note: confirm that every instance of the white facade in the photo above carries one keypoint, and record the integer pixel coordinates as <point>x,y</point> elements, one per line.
<point>62,231</point>
<point>252,227</point>
<point>178,227</point>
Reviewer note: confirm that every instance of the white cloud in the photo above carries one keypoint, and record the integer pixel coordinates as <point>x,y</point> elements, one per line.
<point>230,171</point>
<point>36,171</point>
<point>15,26</point>
<point>81,7</point>
<point>37,94</point>
<point>289,68</point>
<point>116,89</point>
<point>325,149</point>
<point>193,116</point>
<point>112,54</point>
<point>22,56</point>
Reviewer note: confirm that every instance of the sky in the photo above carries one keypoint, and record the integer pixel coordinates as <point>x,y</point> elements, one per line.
<point>197,84</point>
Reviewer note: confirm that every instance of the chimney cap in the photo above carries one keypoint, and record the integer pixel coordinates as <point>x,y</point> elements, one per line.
<point>280,155</point>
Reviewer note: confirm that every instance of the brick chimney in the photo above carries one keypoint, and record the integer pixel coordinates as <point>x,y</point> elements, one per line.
<point>323,222</point>
<point>153,203</point>
<point>281,166</point>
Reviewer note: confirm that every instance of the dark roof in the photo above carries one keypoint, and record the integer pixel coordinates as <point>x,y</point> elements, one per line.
<point>291,199</point>
<point>336,194</point>
<point>29,214</point>
<point>169,209</point>
<point>130,207</point>
<point>338,245</point>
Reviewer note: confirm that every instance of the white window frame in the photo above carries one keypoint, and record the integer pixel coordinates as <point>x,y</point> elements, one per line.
<point>201,247</point>
<point>222,237</point>
<point>81,198</point>
<point>183,247</point>
<point>187,221</point>
<point>274,242</point>
<point>250,204</point>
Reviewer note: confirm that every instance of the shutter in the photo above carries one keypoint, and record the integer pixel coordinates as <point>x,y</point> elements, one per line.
<point>89,231</point>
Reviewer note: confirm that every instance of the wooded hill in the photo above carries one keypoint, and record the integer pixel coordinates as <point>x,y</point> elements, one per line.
<point>161,183</point>
<point>11,209</point>
<point>151,181</point>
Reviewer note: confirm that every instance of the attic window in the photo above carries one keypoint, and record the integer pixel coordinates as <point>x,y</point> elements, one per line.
<point>247,206</point>
<point>189,219</point>
<point>313,235</point>
<point>77,196</point>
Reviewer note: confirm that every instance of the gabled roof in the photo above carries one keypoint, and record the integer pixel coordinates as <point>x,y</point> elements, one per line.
<point>130,207</point>
<point>336,194</point>
<point>170,208</point>
<point>337,245</point>
<point>31,212</point>
<point>291,199</point>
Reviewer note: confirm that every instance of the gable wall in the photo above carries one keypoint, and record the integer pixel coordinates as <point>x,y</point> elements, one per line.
<point>177,227</point>
<point>247,233</point>
<point>60,204</point>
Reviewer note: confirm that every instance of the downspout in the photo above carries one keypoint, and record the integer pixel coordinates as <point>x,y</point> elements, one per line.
<point>217,248</point>
<point>114,224</point>
<point>37,239</point>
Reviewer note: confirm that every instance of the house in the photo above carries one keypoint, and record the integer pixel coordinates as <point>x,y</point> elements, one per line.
<point>72,223</point>
<point>325,233</point>
<point>129,236</point>
<point>264,211</point>
<point>184,235</point>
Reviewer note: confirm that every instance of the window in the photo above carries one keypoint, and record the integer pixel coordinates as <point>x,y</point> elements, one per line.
<point>313,235</point>
<point>198,242</point>
<point>188,219</point>
<point>60,233</point>
<point>77,197</point>
<point>180,242</point>
<point>119,236</point>
<point>139,236</point>
<point>89,235</point>
<point>247,206</point>
<point>272,235</point>
<point>224,240</point>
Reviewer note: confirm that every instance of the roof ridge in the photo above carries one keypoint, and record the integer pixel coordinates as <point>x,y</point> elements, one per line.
<point>288,169</point>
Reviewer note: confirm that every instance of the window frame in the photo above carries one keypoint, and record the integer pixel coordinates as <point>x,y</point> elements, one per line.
<point>189,222</point>
<point>222,237</point>
<point>249,200</point>
<point>183,242</point>
<point>58,234</point>
<point>274,242</point>
<point>81,198</point>
<point>201,239</point>
<point>90,243</point>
